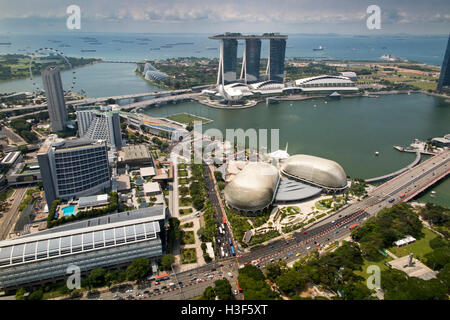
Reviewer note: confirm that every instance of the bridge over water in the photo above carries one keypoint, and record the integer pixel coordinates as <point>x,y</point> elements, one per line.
<point>88,101</point>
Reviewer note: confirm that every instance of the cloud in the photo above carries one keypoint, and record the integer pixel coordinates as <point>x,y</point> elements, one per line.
<point>243,12</point>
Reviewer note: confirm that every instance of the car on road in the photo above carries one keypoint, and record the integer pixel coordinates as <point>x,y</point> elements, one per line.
<point>317,244</point>
<point>289,254</point>
<point>147,291</point>
<point>307,248</point>
<point>156,290</point>
<point>305,232</point>
<point>235,292</point>
<point>180,284</point>
<point>129,290</point>
<point>336,232</point>
<point>298,254</point>
<point>164,288</point>
<point>230,274</point>
<point>271,246</point>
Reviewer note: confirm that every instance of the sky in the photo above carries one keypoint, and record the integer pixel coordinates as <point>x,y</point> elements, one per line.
<point>415,17</point>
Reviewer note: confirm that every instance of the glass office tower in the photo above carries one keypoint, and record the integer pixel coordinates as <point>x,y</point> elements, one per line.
<point>252,59</point>
<point>444,78</point>
<point>277,49</point>
<point>228,61</point>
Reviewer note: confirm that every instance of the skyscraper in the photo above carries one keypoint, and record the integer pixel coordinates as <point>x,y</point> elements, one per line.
<point>73,168</point>
<point>227,61</point>
<point>275,65</point>
<point>54,93</point>
<point>251,60</point>
<point>444,78</point>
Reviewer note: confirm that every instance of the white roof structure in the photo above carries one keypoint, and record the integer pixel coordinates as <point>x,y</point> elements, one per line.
<point>253,188</point>
<point>151,187</point>
<point>320,172</point>
<point>349,74</point>
<point>404,241</point>
<point>11,157</point>
<point>326,82</point>
<point>279,154</point>
<point>147,172</point>
<point>93,200</point>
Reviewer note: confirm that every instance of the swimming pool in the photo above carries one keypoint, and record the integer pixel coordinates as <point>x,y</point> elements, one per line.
<point>69,211</point>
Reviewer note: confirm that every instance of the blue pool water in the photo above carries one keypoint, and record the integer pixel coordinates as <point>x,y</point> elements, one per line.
<point>69,211</point>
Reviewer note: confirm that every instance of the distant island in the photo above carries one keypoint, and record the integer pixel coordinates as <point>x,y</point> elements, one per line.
<point>187,72</point>
<point>16,66</point>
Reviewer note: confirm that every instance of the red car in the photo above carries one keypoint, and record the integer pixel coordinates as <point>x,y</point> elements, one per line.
<point>317,244</point>
<point>304,232</point>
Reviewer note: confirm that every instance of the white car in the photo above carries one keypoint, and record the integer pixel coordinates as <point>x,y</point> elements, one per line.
<point>307,248</point>
<point>230,274</point>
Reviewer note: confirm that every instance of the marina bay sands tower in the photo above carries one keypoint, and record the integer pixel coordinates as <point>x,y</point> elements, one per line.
<point>251,57</point>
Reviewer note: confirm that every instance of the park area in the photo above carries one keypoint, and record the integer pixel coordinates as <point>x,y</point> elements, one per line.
<point>187,118</point>
<point>419,248</point>
<point>188,256</point>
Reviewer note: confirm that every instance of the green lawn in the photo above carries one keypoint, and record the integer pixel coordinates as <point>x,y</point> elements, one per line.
<point>188,256</point>
<point>188,237</point>
<point>182,173</point>
<point>419,248</point>
<point>363,273</point>
<point>183,181</point>
<point>186,118</point>
<point>187,224</point>
<point>184,202</point>
<point>185,211</point>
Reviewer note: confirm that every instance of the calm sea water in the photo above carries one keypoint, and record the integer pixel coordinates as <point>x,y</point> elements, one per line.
<point>348,131</point>
<point>427,49</point>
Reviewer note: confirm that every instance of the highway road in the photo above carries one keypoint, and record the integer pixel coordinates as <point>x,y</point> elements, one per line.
<point>318,236</point>
<point>9,218</point>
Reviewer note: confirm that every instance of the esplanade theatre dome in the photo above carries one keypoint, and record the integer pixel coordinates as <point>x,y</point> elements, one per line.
<point>321,172</point>
<point>253,188</point>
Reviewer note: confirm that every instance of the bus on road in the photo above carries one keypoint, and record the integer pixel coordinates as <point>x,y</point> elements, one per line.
<point>353,226</point>
<point>162,277</point>
<point>232,251</point>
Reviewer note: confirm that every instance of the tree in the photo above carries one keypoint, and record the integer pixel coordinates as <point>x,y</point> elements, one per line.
<point>167,261</point>
<point>209,294</point>
<point>36,295</point>
<point>138,269</point>
<point>356,291</point>
<point>96,277</point>
<point>223,289</point>
<point>438,258</point>
<point>20,293</point>
<point>444,276</point>
<point>290,281</point>
<point>273,270</point>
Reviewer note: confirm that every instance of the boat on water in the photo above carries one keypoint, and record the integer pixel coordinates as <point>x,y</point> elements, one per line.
<point>377,153</point>
<point>211,48</point>
<point>88,50</point>
<point>5,43</point>
<point>320,48</point>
